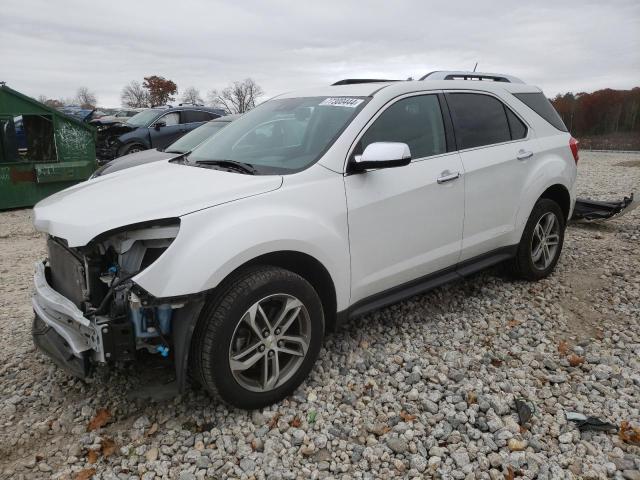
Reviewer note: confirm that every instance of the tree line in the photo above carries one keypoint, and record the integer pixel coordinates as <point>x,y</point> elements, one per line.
<point>155,90</point>
<point>602,112</point>
<point>238,97</point>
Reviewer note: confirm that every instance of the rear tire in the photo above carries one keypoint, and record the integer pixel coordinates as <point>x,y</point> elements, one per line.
<point>541,242</point>
<point>258,338</point>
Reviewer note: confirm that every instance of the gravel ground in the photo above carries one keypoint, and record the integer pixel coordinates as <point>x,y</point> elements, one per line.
<point>424,388</point>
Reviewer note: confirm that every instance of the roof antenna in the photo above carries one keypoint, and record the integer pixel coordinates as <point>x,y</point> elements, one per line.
<point>474,68</point>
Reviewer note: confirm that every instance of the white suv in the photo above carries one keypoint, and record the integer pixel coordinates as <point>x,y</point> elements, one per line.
<point>316,206</point>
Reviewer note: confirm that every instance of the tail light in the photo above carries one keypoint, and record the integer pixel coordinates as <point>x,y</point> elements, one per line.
<point>573,145</point>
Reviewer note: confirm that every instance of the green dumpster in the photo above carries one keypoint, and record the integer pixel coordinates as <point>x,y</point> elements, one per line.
<point>42,150</point>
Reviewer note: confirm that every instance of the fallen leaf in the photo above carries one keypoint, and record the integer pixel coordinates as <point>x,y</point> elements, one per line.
<point>100,420</point>
<point>472,397</point>
<point>513,323</point>
<point>496,362</point>
<point>629,433</point>
<point>575,360</point>
<point>509,474</point>
<point>296,422</point>
<point>407,417</point>
<point>152,429</point>
<point>563,347</point>
<point>108,447</point>
<point>92,456</point>
<point>85,474</point>
<point>274,420</point>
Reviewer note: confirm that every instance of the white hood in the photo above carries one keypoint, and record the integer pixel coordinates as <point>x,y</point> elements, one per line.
<point>147,192</point>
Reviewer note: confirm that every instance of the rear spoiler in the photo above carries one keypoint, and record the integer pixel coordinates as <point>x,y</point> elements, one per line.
<point>596,210</point>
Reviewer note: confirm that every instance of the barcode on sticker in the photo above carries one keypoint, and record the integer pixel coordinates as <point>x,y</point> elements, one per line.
<point>342,102</point>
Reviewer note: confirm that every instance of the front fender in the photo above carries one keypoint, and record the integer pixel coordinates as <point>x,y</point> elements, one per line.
<point>139,135</point>
<point>214,242</point>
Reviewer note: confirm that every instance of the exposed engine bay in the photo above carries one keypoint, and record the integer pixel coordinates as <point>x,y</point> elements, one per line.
<point>108,144</point>
<point>119,317</point>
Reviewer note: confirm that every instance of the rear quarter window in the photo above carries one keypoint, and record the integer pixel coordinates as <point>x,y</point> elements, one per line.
<point>542,106</point>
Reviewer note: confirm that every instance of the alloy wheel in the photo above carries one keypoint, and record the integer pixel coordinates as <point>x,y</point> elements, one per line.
<point>545,241</point>
<point>270,342</point>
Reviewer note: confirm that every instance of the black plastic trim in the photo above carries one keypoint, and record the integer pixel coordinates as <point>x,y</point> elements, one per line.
<point>426,283</point>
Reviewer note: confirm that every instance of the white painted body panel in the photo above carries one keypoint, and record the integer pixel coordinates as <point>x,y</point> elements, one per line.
<point>307,215</point>
<point>147,192</point>
<point>403,224</point>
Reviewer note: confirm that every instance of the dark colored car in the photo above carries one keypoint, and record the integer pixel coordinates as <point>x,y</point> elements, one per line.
<point>183,145</point>
<point>151,128</point>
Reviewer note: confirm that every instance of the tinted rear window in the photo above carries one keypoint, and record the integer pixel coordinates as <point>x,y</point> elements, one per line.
<point>478,120</point>
<point>542,106</point>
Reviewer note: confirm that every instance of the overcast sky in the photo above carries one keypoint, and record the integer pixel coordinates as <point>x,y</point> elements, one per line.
<point>53,47</point>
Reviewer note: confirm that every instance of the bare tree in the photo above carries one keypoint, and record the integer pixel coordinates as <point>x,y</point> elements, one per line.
<point>134,95</point>
<point>42,98</point>
<point>239,97</point>
<point>86,98</point>
<point>192,95</point>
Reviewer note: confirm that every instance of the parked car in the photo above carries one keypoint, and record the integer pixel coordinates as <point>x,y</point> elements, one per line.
<point>315,207</point>
<point>151,128</point>
<point>179,147</point>
<point>120,116</point>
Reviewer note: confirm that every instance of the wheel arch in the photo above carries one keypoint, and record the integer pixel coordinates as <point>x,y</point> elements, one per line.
<point>309,268</point>
<point>559,194</point>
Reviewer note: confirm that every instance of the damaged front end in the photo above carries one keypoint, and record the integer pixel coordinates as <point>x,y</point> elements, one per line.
<point>88,308</point>
<point>108,142</point>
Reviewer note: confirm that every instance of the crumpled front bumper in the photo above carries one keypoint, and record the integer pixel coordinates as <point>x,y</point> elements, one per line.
<point>81,337</point>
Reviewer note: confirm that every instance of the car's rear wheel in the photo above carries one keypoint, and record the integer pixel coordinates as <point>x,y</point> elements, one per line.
<point>259,337</point>
<point>541,243</point>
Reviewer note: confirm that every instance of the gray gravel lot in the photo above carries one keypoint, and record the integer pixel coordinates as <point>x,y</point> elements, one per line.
<point>424,388</point>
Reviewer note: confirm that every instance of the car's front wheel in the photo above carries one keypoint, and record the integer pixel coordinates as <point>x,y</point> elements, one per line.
<point>541,243</point>
<point>259,337</point>
<point>131,148</point>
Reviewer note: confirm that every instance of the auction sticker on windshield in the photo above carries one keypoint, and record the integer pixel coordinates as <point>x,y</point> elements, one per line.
<point>342,102</point>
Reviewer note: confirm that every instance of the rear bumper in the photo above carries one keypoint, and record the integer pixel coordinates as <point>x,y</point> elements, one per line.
<point>81,336</point>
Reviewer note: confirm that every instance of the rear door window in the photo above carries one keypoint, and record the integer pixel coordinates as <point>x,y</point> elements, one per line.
<point>478,120</point>
<point>192,116</point>
<point>518,129</point>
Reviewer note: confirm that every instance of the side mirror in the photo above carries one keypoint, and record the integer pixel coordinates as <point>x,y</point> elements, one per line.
<point>382,155</point>
<point>159,124</point>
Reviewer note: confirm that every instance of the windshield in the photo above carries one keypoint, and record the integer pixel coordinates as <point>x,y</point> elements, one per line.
<point>143,118</point>
<point>283,135</point>
<point>195,137</point>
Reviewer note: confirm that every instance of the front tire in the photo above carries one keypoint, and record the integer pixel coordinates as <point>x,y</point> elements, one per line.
<point>258,338</point>
<point>131,148</point>
<point>541,243</point>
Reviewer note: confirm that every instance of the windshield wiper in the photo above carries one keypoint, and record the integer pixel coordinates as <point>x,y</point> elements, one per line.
<point>231,164</point>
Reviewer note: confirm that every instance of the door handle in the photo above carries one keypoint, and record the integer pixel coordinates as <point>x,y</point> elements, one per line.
<point>448,177</point>
<point>523,155</point>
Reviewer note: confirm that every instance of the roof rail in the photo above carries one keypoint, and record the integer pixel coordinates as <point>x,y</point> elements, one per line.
<point>461,75</point>
<point>353,81</point>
